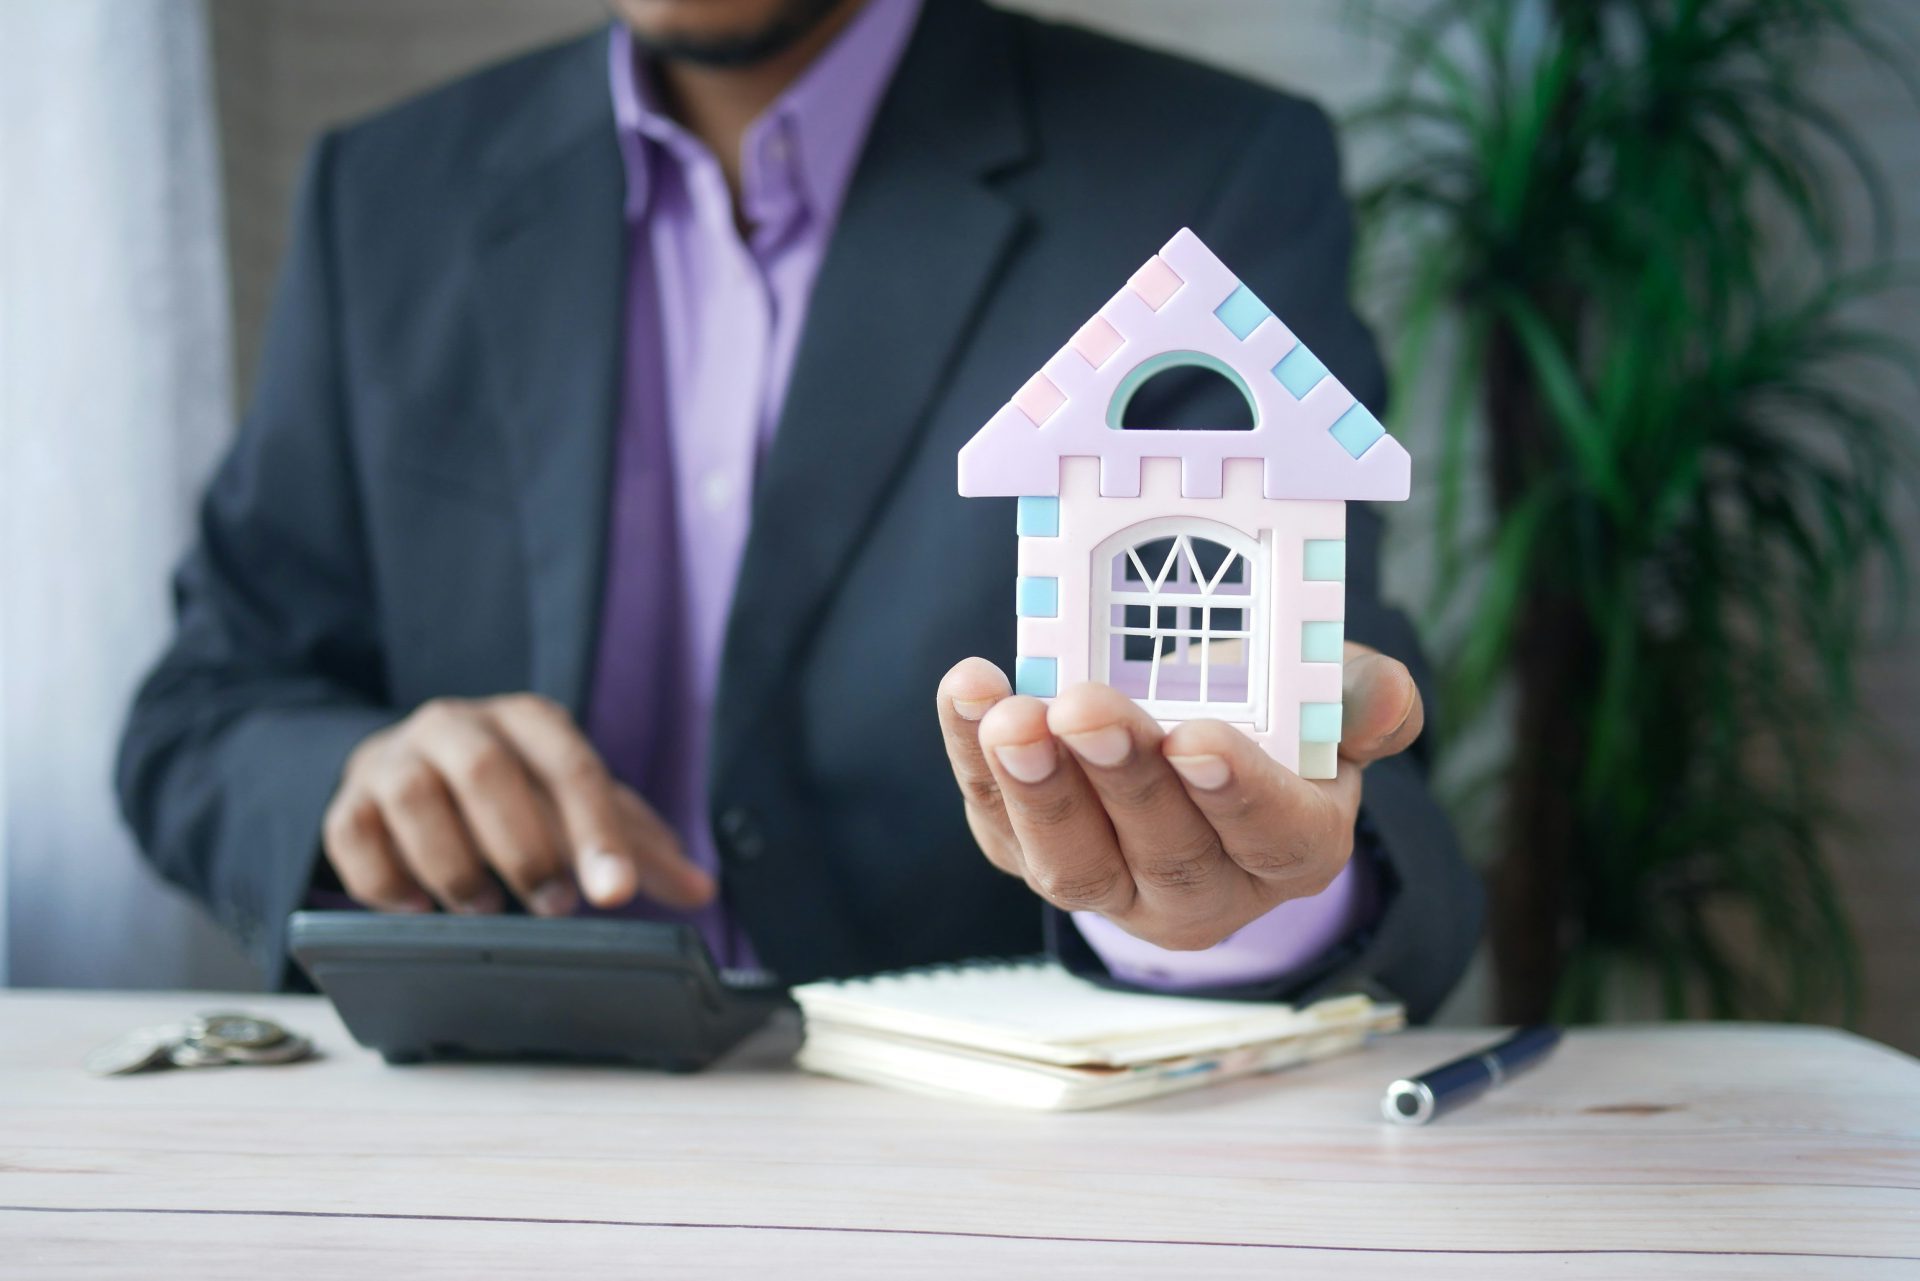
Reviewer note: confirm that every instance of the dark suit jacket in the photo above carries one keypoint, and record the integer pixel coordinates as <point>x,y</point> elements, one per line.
<point>416,505</point>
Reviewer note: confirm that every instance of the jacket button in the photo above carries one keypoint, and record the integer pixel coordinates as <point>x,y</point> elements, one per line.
<point>742,835</point>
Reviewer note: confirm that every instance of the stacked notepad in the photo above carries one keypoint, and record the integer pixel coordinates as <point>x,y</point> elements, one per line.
<point>1028,1034</point>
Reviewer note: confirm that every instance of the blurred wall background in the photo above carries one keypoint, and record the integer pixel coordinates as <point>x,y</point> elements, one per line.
<point>115,398</point>
<point>283,69</point>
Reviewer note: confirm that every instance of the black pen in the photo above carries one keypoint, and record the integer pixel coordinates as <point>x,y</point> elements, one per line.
<point>1424,1097</point>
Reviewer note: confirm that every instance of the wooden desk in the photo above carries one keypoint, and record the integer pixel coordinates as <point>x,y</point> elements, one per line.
<point>1669,1152</point>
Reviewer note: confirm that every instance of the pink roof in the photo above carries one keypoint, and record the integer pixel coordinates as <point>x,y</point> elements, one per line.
<point>1315,440</point>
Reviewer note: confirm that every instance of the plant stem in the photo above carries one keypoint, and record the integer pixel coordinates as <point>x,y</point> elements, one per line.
<point>1555,651</point>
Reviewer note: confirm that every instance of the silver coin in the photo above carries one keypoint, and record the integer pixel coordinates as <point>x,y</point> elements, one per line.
<point>192,1054</point>
<point>226,1030</point>
<point>289,1050</point>
<point>137,1051</point>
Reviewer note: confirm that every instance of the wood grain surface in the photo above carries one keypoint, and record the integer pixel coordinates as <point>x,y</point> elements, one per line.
<point>1679,1151</point>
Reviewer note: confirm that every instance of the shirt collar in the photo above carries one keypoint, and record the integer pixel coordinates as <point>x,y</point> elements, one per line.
<point>798,156</point>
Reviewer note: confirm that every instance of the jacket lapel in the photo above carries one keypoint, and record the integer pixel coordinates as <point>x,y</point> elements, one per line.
<point>550,274</point>
<point>920,238</point>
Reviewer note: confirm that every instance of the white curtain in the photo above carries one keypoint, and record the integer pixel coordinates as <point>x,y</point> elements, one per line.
<point>115,399</point>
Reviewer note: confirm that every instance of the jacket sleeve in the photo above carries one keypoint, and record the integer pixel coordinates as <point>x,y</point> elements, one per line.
<point>1280,220</point>
<point>236,739</point>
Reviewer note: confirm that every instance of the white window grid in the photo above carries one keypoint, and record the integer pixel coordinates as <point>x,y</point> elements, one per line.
<point>1250,554</point>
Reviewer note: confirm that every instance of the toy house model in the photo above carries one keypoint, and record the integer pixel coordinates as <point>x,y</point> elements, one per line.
<point>1201,572</point>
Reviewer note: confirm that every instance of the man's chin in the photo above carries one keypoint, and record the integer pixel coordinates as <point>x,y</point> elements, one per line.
<point>789,23</point>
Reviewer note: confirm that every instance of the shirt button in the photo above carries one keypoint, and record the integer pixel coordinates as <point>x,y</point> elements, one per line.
<point>741,834</point>
<point>716,490</point>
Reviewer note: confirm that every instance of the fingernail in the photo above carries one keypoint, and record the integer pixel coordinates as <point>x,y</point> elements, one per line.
<point>486,903</point>
<point>1406,712</point>
<point>416,904</point>
<point>604,875</point>
<point>1028,762</point>
<point>1208,773</point>
<point>1106,747</point>
<point>972,709</point>
<point>555,898</point>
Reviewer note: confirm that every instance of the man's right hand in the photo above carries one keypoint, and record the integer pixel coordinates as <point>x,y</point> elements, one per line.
<point>465,794</point>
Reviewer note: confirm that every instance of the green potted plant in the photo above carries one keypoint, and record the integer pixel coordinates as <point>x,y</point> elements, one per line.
<point>1630,213</point>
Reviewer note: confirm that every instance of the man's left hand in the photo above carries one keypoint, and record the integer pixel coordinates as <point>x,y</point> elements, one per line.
<point>1180,837</point>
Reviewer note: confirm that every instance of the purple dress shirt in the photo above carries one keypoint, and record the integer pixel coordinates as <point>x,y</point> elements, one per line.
<point>712,323</point>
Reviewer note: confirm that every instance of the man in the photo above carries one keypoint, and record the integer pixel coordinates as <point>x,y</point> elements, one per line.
<point>594,534</point>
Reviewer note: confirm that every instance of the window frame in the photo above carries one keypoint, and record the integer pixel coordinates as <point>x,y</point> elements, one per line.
<point>1257,606</point>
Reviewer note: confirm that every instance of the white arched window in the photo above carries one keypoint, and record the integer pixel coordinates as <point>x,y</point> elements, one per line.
<point>1180,619</point>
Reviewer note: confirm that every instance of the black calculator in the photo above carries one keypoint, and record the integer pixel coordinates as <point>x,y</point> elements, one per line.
<point>420,988</point>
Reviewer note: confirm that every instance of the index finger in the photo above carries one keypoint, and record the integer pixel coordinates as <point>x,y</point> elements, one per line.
<point>587,799</point>
<point>967,693</point>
